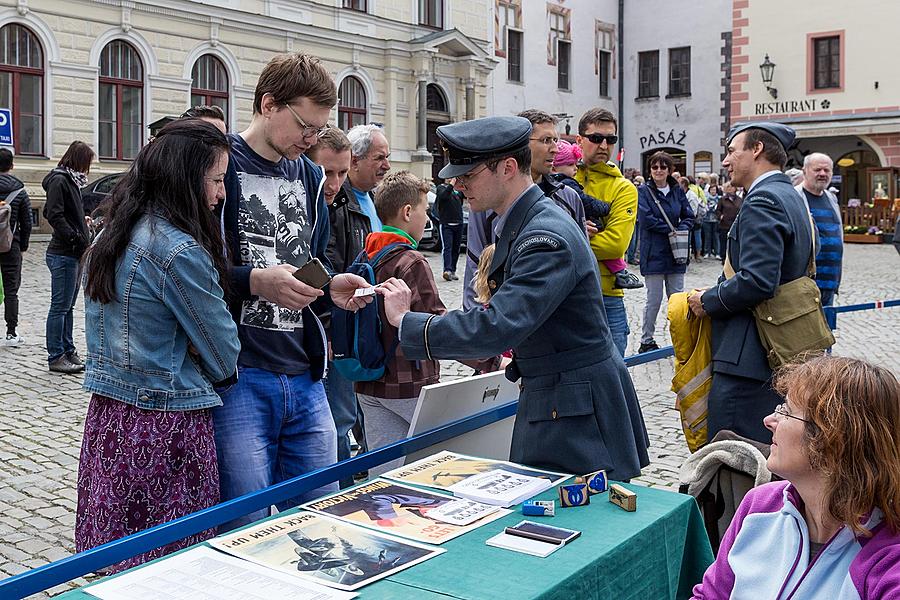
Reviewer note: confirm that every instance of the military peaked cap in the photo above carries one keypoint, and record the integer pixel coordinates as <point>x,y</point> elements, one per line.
<point>782,133</point>
<point>472,142</point>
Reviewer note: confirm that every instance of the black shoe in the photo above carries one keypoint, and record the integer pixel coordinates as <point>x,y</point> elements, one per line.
<point>454,276</point>
<point>648,347</point>
<point>63,365</point>
<point>75,359</point>
<point>627,281</point>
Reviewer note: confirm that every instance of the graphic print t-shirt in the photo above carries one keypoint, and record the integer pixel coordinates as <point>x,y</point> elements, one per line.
<point>275,227</point>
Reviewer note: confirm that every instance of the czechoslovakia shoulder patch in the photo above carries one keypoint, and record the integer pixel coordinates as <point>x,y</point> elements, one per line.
<point>538,240</point>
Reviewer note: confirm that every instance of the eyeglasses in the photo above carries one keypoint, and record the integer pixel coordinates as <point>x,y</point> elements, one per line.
<point>308,130</point>
<point>547,140</point>
<point>659,168</point>
<point>782,409</point>
<point>599,138</point>
<point>468,177</point>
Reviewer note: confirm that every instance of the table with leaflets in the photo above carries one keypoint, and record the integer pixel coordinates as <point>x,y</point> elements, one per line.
<point>659,551</point>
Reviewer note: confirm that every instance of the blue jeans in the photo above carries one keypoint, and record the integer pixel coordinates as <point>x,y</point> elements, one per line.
<point>827,297</point>
<point>344,410</point>
<point>270,428</point>
<point>451,238</point>
<point>618,321</point>
<point>64,276</point>
<point>711,238</point>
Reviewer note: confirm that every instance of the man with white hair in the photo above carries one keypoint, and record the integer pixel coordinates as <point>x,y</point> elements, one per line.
<point>817,172</point>
<point>369,153</point>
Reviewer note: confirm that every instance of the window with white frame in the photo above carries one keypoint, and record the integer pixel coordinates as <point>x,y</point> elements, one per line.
<point>559,30</point>
<point>351,103</point>
<point>431,13</point>
<point>209,83</point>
<point>22,86</point>
<point>121,106</point>
<point>604,42</point>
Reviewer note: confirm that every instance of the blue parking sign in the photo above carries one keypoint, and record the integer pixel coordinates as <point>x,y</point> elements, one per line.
<point>6,130</point>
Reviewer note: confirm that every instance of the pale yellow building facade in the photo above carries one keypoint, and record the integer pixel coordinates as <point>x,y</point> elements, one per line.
<point>101,71</point>
<point>831,78</point>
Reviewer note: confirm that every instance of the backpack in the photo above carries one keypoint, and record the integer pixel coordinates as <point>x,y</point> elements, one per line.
<point>6,232</point>
<point>359,354</point>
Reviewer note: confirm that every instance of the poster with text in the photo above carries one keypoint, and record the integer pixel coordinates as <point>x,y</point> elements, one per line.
<point>446,468</point>
<point>407,511</point>
<point>315,546</point>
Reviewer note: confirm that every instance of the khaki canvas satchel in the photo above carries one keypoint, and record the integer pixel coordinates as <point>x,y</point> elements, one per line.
<point>792,322</point>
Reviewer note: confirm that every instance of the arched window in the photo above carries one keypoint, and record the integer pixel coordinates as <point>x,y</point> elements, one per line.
<point>351,103</point>
<point>121,101</point>
<point>22,87</point>
<point>209,83</point>
<point>435,100</point>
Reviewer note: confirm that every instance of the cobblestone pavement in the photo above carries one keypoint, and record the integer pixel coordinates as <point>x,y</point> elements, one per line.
<point>42,414</point>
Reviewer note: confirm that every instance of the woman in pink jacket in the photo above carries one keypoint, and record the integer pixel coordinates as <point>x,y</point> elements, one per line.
<point>832,529</point>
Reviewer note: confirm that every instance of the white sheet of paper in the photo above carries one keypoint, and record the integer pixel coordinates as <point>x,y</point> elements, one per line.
<point>206,574</point>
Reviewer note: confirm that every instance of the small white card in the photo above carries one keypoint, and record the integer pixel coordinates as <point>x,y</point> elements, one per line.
<point>366,291</point>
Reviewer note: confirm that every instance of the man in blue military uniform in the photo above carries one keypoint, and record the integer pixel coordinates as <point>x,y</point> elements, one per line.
<point>769,244</point>
<point>578,411</point>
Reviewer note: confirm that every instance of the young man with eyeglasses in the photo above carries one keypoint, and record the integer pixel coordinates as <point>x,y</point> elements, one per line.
<point>542,143</point>
<point>275,422</point>
<point>578,411</point>
<point>602,179</point>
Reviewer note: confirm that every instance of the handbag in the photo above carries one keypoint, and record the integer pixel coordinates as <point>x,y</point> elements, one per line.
<point>679,240</point>
<point>792,323</point>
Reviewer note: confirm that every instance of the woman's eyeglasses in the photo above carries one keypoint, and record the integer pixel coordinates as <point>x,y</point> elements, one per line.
<point>782,409</point>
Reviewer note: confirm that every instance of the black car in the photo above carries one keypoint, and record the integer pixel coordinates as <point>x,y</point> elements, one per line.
<point>96,191</point>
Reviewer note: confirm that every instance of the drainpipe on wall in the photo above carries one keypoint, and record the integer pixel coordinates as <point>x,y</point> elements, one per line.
<point>621,49</point>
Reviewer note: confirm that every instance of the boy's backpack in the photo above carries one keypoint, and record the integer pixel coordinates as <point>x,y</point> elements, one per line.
<point>6,232</point>
<point>359,354</point>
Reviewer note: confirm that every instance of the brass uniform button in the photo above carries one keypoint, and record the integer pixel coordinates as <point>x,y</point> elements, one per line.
<point>553,414</point>
<point>492,284</point>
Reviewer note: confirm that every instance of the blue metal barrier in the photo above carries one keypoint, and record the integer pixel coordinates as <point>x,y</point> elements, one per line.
<point>71,567</point>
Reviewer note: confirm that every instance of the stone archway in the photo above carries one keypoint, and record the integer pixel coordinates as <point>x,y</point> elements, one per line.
<point>438,114</point>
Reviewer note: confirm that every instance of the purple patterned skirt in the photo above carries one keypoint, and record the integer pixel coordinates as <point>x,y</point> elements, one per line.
<point>140,468</point>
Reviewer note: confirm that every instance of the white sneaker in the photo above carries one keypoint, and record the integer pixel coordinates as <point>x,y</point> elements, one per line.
<point>13,340</point>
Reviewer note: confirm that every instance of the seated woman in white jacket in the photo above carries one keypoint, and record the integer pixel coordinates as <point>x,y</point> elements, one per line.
<point>832,529</point>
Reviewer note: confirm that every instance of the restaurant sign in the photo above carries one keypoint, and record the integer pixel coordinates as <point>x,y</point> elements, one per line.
<point>791,106</point>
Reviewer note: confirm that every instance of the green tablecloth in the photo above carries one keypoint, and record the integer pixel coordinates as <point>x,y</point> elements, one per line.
<point>658,552</point>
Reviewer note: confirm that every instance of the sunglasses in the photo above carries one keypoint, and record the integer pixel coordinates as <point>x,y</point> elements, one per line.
<point>599,138</point>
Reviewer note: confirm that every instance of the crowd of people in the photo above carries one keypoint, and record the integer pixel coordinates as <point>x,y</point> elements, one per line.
<point>235,388</point>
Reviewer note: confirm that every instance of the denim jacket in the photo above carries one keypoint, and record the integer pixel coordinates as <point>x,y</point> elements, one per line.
<point>168,297</point>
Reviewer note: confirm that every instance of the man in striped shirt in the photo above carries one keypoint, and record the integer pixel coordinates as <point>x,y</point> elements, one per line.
<point>817,171</point>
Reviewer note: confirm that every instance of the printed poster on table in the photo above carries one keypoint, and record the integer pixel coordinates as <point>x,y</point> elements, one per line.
<point>407,511</point>
<point>444,469</point>
<point>329,551</point>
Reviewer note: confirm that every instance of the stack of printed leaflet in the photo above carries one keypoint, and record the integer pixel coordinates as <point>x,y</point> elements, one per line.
<point>495,482</point>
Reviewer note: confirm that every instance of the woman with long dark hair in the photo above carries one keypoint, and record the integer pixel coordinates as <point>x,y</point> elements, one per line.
<point>159,335</point>
<point>64,212</point>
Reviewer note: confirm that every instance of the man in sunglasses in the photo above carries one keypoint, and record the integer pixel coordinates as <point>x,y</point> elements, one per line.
<point>602,179</point>
<point>578,411</point>
<point>275,422</point>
